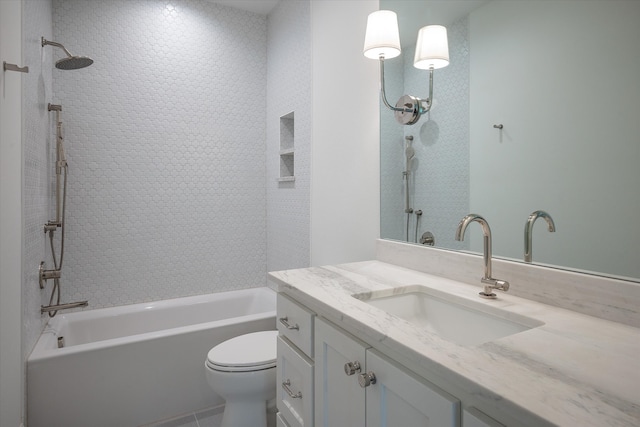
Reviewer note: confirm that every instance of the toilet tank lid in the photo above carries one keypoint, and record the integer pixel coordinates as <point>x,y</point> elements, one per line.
<point>254,349</point>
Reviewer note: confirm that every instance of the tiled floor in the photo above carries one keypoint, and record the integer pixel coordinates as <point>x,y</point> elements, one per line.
<point>208,418</point>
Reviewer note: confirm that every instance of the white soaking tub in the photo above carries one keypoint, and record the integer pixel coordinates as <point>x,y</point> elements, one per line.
<point>131,365</point>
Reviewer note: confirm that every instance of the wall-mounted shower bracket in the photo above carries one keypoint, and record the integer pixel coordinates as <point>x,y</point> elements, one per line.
<point>44,275</point>
<point>52,226</point>
<point>13,67</point>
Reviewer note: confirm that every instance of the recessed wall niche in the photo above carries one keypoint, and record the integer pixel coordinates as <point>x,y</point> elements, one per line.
<point>287,146</point>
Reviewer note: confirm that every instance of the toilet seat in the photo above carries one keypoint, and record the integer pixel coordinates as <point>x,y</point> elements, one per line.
<point>245,353</point>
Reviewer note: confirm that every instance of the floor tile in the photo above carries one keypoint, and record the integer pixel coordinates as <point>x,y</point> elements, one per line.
<point>186,421</point>
<point>210,417</point>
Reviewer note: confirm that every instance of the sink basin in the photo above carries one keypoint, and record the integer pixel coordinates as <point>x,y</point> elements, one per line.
<point>455,319</point>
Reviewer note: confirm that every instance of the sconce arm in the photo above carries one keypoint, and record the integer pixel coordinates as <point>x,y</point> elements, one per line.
<point>383,94</point>
<point>429,100</point>
<point>409,108</point>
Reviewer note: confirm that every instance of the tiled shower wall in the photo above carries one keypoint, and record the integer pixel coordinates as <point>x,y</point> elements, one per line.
<point>288,90</point>
<point>439,180</point>
<point>165,139</point>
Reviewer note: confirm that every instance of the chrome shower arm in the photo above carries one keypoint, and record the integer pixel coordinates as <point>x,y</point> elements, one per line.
<point>45,42</point>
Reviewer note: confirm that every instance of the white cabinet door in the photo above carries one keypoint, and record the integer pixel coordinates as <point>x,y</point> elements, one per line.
<point>340,401</point>
<point>400,398</point>
<point>471,417</point>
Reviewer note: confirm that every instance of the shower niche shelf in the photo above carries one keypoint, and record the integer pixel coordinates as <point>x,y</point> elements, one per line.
<point>287,148</point>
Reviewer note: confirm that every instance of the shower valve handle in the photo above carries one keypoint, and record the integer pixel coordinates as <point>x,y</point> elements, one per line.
<point>44,275</point>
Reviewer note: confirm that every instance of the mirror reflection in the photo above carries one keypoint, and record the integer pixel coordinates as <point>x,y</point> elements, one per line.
<point>537,111</point>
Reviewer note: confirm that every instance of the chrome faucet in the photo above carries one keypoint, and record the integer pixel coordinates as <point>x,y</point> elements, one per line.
<point>528,228</point>
<point>489,282</point>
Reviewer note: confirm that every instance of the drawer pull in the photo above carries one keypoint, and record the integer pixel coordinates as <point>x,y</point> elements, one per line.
<point>285,386</point>
<point>285,322</point>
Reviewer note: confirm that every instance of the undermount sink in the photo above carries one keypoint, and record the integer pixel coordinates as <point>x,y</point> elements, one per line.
<point>454,319</point>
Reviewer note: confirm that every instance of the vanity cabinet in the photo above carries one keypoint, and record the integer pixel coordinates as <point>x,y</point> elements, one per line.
<point>326,377</point>
<point>357,386</point>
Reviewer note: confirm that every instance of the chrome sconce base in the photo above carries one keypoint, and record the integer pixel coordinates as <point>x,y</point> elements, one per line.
<point>408,109</point>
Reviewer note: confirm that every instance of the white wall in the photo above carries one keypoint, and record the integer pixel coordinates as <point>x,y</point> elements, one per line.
<point>11,360</point>
<point>38,163</point>
<point>345,208</point>
<point>559,89</point>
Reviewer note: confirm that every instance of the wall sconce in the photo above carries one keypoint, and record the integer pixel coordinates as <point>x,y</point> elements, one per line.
<point>382,41</point>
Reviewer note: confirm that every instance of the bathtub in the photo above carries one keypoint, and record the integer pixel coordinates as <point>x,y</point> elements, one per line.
<point>131,365</point>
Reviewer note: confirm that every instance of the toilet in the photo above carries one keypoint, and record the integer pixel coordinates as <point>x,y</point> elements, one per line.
<point>242,370</point>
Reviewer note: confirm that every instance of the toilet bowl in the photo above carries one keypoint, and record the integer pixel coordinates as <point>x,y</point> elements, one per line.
<point>242,371</point>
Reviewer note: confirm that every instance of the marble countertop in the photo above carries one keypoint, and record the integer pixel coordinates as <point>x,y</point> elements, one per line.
<point>574,370</point>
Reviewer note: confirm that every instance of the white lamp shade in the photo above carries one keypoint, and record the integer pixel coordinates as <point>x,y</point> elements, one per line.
<point>382,37</point>
<point>432,48</point>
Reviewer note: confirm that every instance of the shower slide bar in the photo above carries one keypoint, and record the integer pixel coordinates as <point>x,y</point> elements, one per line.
<point>51,226</point>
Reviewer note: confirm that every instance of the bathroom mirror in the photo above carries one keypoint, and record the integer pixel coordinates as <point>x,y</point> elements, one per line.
<point>538,110</point>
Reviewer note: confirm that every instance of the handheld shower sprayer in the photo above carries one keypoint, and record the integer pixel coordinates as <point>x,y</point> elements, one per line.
<point>71,62</point>
<point>409,153</point>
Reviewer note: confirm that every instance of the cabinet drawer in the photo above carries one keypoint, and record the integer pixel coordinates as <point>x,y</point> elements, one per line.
<point>280,422</point>
<point>294,386</point>
<point>296,323</point>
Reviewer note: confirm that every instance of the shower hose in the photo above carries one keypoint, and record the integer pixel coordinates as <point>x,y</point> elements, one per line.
<point>55,291</point>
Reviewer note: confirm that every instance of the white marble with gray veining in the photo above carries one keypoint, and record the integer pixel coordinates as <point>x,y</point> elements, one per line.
<point>605,297</point>
<point>574,370</point>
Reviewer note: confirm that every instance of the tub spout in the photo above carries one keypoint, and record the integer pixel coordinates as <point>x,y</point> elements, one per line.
<point>49,308</point>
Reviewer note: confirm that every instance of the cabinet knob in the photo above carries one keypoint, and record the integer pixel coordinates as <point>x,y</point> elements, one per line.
<point>365,380</point>
<point>351,368</point>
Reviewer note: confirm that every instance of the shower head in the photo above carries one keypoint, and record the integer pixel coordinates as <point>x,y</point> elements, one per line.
<point>71,62</point>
